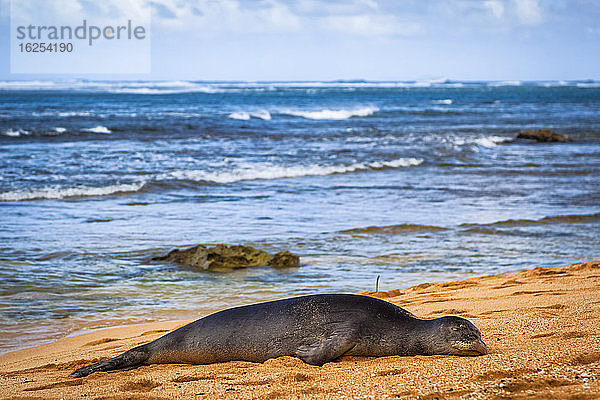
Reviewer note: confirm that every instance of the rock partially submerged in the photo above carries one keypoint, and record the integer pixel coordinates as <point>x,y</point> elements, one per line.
<point>227,257</point>
<point>543,136</point>
<point>393,229</point>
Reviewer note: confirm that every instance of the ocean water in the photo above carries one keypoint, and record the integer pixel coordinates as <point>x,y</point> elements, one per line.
<point>408,181</point>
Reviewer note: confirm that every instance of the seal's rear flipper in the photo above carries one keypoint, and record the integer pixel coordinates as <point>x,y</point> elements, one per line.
<point>341,341</point>
<point>131,358</point>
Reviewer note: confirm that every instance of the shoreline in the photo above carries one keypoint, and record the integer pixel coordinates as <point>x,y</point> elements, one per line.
<point>542,327</point>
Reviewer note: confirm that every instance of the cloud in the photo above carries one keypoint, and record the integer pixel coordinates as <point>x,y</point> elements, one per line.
<point>162,10</point>
<point>225,16</point>
<point>529,12</point>
<point>370,25</point>
<point>496,7</point>
<point>367,18</point>
<point>73,11</point>
<point>208,17</point>
<point>334,7</point>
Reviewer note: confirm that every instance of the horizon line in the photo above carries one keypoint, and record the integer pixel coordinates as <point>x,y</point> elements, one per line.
<point>348,81</point>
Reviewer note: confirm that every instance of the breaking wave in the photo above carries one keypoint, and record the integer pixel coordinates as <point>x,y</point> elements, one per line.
<point>244,116</point>
<point>267,172</point>
<point>243,173</point>
<point>151,90</point>
<point>57,193</point>
<point>486,141</point>
<point>97,129</point>
<point>328,114</point>
<point>16,132</point>
<point>504,83</point>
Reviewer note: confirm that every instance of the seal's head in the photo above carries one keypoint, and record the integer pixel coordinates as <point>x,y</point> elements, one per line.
<point>458,336</point>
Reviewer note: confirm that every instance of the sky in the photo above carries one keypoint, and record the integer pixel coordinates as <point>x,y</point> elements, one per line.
<point>272,40</point>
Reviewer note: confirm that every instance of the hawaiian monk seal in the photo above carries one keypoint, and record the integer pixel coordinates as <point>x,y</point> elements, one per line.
<point>317,329</point>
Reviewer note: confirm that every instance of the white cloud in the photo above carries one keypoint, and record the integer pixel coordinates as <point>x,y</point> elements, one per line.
<point>369,3</point>
<point>529,12</point>
<point>370,25</point>
<point>496,7</point>
<point>212,17</point>
<point>280,16</point>
<point>206,17</point>
<point>467,14</point>
<point>328,7</point>
<point>73,11</point>
<point>371,18</point>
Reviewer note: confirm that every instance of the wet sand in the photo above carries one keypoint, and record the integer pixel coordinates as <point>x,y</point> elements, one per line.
<point>542,327</point>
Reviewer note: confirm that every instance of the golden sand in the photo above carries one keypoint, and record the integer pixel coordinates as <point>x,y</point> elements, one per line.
<point>542,327</point>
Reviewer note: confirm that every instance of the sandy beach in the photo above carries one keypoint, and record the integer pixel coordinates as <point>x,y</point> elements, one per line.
<point>542,327</point>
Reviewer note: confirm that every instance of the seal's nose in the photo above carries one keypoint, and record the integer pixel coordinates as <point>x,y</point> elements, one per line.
<point>480,346</point>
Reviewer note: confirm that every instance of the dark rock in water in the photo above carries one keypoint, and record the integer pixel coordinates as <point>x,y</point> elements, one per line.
<point>393,229</point>
<point>227,257</point>
<point>284,259</point>
<point>543,136</point>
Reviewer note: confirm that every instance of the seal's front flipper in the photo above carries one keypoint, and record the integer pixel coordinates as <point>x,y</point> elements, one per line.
<point>341,341</point>
<point>132,358</point>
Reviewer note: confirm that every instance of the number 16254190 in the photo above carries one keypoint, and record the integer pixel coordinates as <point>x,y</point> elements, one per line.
<point>46,47</point>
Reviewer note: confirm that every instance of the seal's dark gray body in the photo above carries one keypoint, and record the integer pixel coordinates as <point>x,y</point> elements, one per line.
<point>317,329</point>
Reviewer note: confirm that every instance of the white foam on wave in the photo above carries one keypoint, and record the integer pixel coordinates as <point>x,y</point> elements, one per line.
<point>131,87</point>
<point>244,116</point>
<point>490,141</point>
<point>159,84</point>
<point>563,83</point>
<point>453,85</point>
<point>158,87</point>
<point>504,83</point>
<point>328,114</point>
<point>24,85</point>
<point>74,114</point>
<point>16,133</point>
<point>442,101</point>
<point>361,139</point>
<point>262,115</point>
<point>62,114</point>
<point>152,90</point>
<point>552,83</point>
<point>97,129</point>
<point>588,84</point>
<point>57,193</point>
<point>486,141</point>
<point>268,172</point>
<point>11,133</point>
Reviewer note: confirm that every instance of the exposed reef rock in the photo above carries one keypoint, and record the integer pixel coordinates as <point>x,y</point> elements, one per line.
<point>543,136</point>
<point>392,229</point>
<point>227,257</point>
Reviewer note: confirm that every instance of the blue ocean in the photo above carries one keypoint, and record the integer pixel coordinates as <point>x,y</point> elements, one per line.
<point>410,182</point>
